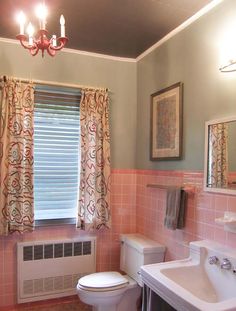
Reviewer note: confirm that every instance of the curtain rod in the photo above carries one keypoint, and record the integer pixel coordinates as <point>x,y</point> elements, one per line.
<point>54,83</point>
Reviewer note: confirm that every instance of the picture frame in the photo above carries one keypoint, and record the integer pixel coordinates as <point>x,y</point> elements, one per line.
<point>167,123</point>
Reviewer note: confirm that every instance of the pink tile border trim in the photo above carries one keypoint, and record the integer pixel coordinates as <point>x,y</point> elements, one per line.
<point>177,173</point>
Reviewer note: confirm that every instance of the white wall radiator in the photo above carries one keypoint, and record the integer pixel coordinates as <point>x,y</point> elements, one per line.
<point>50,269</point>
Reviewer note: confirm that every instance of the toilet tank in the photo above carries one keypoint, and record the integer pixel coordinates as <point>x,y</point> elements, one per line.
<point>136,251</point>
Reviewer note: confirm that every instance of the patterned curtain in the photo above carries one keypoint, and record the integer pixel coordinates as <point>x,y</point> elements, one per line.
<point>94,199</point>
<point>16,157</point>
<point>218,155</point>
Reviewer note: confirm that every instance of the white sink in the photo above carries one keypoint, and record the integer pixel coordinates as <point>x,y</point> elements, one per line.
<point>192,283</point>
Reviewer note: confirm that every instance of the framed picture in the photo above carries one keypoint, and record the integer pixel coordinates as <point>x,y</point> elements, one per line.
<point>166,123</point>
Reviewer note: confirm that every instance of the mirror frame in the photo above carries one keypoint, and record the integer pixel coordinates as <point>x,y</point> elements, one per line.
<point>205,187</point>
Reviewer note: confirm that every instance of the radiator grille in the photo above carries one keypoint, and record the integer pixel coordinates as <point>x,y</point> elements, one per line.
<point>58,283</point>
<point>78,249</point>
<point>58,250</point>
<point>48,251</point>
<point>28,253</point>
<point>51,269</point>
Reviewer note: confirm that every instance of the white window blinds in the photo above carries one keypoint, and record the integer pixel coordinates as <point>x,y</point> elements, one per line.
<point>56,152</point>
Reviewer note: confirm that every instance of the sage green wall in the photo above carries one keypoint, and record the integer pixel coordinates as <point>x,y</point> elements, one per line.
<point>191,56</point>
<point>118,76</point>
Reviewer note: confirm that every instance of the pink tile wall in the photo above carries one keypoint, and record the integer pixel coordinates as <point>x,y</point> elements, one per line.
<point>232,180</point>
<point>202,209</point>
<point>123,202</point>
<point>135,207</point>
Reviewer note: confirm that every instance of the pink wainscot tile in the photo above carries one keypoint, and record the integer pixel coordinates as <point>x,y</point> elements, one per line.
<point>232,204</point>
<point>210,217</point>
<point>220,235</point>
<point>209,232</point>
<point>221,203</point>
<point>200,215</point>
<point>231,241</point>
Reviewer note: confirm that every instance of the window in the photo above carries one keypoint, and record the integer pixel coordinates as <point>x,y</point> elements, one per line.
<point>56,152</point>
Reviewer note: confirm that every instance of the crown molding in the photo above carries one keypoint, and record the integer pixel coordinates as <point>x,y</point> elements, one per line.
<point>98,55</point>
<point>178,29</point>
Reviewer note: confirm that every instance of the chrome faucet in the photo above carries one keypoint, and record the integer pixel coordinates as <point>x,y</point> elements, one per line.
<point>213,260</point>
<point>226,264</point>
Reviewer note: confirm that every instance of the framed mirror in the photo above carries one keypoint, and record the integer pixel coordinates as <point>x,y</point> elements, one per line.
<point>220,156</point>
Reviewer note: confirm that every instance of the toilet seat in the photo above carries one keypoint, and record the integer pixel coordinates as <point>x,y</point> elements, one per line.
<point>103,281</point>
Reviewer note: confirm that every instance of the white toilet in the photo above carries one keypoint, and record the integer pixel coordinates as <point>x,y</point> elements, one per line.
<point>111,291</point>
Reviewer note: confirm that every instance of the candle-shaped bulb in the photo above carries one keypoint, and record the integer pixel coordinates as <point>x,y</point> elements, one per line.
<point>62,23</point>
<point>62,20</point>
<point>54,40</point>
<point>21,20</point>
<point>42,13</point>
<point>30,31</point>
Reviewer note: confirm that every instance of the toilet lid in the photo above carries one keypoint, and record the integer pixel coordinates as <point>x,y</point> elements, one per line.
<point>103,280</point>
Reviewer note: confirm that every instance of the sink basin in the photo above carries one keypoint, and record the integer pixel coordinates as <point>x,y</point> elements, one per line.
<point>195,280</point>
<point>193,284</point>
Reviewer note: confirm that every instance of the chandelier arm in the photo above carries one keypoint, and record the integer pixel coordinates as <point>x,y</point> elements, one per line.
<point>51,51</point>
<point>62,41</point>
<point>22,39</point>
<point>34,51</point>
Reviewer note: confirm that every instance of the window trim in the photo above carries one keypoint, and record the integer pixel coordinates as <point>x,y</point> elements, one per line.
<point>55,222</point>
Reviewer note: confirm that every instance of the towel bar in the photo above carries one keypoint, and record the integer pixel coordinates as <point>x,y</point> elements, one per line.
<point>161,186</point>
<point>186,187</point>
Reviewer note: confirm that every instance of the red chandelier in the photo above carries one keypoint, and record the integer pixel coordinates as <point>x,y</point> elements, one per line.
<point>41,41</point>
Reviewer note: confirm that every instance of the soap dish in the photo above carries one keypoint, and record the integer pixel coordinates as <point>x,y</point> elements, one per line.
<point>229,221</point>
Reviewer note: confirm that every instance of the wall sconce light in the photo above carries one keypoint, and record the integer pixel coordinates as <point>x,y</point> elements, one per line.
<point>229,67</point>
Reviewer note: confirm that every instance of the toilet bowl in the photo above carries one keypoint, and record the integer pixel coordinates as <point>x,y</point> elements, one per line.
<point>108,291</point>
<point>112,291</point>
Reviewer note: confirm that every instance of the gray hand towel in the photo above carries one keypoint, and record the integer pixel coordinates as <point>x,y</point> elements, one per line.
<point>175,208</point>
<point>182,209</point>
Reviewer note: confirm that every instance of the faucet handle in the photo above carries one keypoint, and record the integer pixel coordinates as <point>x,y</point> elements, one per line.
<point>226,264</point>
<point>213,260</point>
